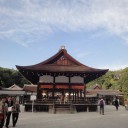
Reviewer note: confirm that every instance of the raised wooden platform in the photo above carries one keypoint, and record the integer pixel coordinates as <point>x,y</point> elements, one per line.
<point>59,108</point>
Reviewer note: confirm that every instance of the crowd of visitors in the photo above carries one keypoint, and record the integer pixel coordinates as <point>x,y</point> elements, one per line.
<point>9,106</point>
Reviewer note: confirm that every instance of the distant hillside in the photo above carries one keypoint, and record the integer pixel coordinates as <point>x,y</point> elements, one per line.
<point>8,77</point>
<point>113,80</point>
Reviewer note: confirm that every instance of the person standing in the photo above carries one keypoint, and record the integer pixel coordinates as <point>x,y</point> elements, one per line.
<point>15,112</point>
<point>101,103</point>
<point>3,111</point>
<point>9,112</point>
<point>116,103</point>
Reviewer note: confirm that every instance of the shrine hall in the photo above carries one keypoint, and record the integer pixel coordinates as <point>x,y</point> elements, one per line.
<point>61,83</point>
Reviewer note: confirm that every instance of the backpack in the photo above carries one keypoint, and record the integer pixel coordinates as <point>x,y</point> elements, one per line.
<point>101,102</point>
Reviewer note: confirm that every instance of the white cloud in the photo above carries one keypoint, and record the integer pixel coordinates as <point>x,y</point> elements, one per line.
<point>27,20</point>
<point>83,54</point>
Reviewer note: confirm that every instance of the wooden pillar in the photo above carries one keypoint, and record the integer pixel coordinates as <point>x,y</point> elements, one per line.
<point>53,90</point>
<point>69,84</point>
<point>39,92</point>
<point>77,95</point>
<point>73,95</point>
<point>84,93</point>
<point>80,94</point>
<point>47,94</point>
<point>84,79</point>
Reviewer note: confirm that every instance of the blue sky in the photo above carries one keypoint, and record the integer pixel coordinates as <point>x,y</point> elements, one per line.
<point>95,32</point>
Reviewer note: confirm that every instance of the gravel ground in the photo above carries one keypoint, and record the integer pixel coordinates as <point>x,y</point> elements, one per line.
<point>111,119</point>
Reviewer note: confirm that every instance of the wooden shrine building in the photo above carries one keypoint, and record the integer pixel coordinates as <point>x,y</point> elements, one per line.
<point>61,75</point>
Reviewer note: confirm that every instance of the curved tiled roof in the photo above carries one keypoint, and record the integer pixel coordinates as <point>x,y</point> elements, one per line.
<point>51,64</point>
<point>61,62</point>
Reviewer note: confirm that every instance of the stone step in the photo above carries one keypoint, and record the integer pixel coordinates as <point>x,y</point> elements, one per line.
<point>62,110</point>
<point>62,106</point>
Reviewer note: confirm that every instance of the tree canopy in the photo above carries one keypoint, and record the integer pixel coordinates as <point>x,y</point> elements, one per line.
<point>8,77</point>
<point>113,80</point>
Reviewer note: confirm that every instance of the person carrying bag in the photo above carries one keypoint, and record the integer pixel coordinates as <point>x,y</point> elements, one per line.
<point>101,103</point>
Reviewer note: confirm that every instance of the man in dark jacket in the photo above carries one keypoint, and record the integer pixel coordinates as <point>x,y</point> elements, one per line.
<point>116,103</point>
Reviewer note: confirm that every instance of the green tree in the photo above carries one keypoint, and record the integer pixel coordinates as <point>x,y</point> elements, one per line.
<point>8,77</point>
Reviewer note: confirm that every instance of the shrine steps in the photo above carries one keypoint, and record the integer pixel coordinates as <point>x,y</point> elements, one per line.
<point>63,108</point>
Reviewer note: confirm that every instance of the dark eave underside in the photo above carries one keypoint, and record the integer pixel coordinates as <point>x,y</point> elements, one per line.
<point>54,68</point>
<point>33,76</point>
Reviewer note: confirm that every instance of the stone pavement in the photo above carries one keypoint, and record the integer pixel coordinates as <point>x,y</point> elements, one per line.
<point>111,119</point>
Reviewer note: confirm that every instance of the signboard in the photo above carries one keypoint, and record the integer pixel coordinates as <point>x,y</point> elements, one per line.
<point>33,97</point>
